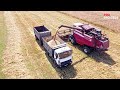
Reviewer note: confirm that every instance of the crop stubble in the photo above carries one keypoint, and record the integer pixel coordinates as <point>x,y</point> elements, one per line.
<point>96,65</point>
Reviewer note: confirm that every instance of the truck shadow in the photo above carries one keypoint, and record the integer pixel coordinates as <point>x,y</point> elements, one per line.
<point>99,56</point>
<point>40,45</point>
<point>65,72</point>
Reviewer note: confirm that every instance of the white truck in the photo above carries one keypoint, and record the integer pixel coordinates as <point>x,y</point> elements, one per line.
<point>55,48</point>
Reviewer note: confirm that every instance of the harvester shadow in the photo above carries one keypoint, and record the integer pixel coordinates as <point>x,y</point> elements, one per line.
<point>98,56</point>
<point>102,57</point>
<point>64,72</point>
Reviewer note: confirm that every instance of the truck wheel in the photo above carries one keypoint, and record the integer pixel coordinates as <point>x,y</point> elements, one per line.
<point>72,40</point>
<point>48,54</point>
<point>56,64</point>
<point>36,37</point>
<point>40,42</point>
<point>86,50</point>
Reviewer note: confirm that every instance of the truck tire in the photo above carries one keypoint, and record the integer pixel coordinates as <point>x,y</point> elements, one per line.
<point>86,49</point>
<point>48,54</point>
<point>72,40</point>
<point>41,43</point>
<point>55,63</point>
<point>36,37</point>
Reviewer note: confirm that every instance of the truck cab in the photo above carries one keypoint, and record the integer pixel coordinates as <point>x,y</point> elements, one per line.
<point>63,56</point>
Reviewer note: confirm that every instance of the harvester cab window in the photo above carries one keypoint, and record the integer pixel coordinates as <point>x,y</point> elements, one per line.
<point>98,32</point>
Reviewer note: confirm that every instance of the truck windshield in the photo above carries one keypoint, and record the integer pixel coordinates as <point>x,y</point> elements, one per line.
<point>65,54</point>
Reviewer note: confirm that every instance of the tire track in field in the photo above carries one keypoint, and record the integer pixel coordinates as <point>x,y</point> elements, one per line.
<point>13,65</point>
<point>37,60</point>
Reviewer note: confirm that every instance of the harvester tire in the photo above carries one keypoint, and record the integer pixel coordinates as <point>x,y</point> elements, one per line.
<point>72,40</point>
<point>86,49</point>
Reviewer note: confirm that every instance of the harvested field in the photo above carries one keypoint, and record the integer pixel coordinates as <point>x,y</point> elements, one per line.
<point>24,57</point>
<point>3,37</point>
<point>97,18</point>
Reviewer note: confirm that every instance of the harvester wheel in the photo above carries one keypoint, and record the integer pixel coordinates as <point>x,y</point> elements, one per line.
<point>72,40</point>
<point>86,50</point>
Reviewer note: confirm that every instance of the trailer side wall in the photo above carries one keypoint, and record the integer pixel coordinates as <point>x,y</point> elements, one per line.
<point>48,48</point>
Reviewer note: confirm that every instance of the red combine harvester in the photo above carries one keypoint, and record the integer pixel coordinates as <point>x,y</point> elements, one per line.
<point>86,35</point>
